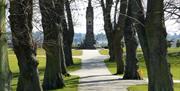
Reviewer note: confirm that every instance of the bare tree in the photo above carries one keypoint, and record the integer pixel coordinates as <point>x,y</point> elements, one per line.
<point>23,45</point>
<point>106,8</point>
<point>69,35</point>
<point>118,35</point>
<point>52,22</point>
<point>172,10</point>
<point>159,75</point>
<point>131,69</point>
<point>152,36</point>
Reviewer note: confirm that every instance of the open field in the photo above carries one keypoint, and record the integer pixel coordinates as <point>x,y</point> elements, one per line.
<point>71,82</point>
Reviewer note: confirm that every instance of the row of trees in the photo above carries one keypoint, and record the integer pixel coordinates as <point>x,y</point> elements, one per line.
<point>54,27</point>
<point>129,20</point>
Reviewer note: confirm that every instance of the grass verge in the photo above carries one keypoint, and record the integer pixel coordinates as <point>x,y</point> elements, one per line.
<point>144,87</point>
<point>76,52</point>
<point>41,52</point>
<point>70,82</point>
<point>139,51</point>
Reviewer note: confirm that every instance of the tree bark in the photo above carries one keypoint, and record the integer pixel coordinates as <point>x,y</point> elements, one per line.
<point>118,35</point>
<point>152,38</point>
<point>160,78</point>
<point>5,73</point>
<point>52,12</point>
<point>23,45</point>
<point>67,46</point>
<point>108,25</point>
<point>131,47</point>
<point>70,32</point>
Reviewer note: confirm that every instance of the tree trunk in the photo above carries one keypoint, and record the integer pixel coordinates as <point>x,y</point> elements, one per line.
<point>109,35</point>
<point>118,35</point>
<point>5,74</point>
<point>52,12</point>
<point>139,22</point>
<point>23,45</point>
<point>67,46</point>
<point>131,47</point>
<point>160,78</point>
<point>71,31</point>
<point>108,25</point>
<point>118,52</point>
<point>154,45</point>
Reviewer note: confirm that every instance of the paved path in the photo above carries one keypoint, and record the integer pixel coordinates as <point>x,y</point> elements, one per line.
<point>94,75</point>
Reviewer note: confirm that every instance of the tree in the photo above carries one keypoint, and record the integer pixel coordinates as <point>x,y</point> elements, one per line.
<point>118,35</point>
<point>153,41</point>
<point>106,8</point>
<point>131,46</point>
<point>5,74</point>
<point>114,33</point>
<point>172,9</point>
<point>65,47</point>
<point>160,78</point>
<point>52,18</point>
<point>23,45</point>
<point>169,43</point>
<point>178,43</point>
<point>69,34</point>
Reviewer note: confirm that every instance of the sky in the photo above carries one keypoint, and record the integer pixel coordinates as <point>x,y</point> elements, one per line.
<point>79,18</point>
<point>79,14</point>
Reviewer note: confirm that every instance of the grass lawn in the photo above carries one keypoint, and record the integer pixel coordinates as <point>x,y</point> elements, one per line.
<point>173,58</point>
<point>104,52</point>
<point>139,51</point>
<point>76,52</point>
<point>145,88</point>
<point>71,82</point>
<point>41,52</point>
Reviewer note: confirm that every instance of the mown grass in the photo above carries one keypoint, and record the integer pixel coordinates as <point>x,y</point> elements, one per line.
<point>173,58</point>
<point>71,82</point>
<point>41,52</point>
<point>144,87</point>
<point>76,52</point>
<point>139,51</point>
<point>104,52</point>
<point>111,66</point>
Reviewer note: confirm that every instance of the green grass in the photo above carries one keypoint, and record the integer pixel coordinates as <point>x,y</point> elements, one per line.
<point>71,82</point>
<point>76,66</point>
<point>173,58</point>
<point>104,52</point>
<point>139,51</point>
<point>144,87</point>
<point>76,52</point>
<point>111,66</point>
<point>41,52</point>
